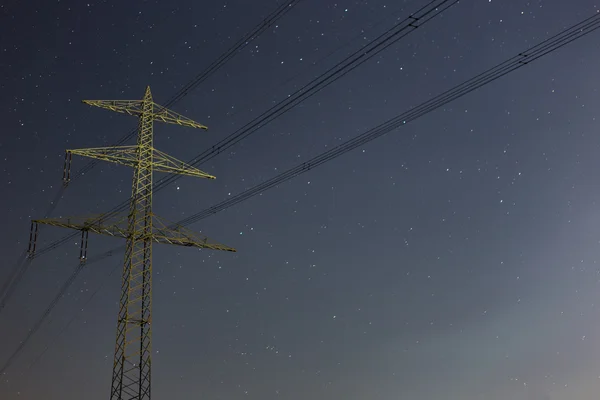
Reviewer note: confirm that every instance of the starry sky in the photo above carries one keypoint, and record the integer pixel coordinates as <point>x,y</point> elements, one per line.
<point>454,258</point>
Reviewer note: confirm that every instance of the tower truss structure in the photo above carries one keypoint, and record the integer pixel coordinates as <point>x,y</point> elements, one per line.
<point>131,377</point>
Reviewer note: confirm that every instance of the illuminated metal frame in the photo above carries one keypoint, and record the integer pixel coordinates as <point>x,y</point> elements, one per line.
<point>140,227</point>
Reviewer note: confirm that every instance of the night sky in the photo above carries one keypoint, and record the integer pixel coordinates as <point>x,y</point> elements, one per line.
<point>457,257</point>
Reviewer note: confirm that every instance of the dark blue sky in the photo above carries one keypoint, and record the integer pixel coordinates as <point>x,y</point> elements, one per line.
<point>455,258</point>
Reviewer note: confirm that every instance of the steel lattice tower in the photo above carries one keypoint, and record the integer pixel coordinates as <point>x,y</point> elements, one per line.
<point>140,227</point>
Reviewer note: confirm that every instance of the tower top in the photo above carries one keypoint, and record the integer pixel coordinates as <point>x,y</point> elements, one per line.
<point>156,111</point>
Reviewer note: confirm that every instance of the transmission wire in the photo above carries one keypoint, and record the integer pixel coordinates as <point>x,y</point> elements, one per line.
<point>21,266</point>
<point>374,47</point>
<point>544,48</point>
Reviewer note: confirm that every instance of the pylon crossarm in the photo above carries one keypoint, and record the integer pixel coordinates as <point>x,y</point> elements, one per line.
<point>134,107</point>
<point>103,225</point>
<point>171,233</point>
<point>165,163</point>
<point>116,226</point>
<point>128,155</point>
<point>131,107</point>
<point>125,155</point>
<point>165,115</point>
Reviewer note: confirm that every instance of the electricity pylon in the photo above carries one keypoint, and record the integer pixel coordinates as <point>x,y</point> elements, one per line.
<point>140,227</point>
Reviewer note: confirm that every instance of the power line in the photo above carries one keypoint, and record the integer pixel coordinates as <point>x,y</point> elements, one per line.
<point>354,60</point>
<point>278,13</point>
<point>41,320</point>
<point>64,288</point>
<point>13,279</point>
<point>21,266</point>
<point>544,48</point>
<point>361,35</point>
<point>400,30</point>
<point>380,43</point>
<point>74,317</point>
